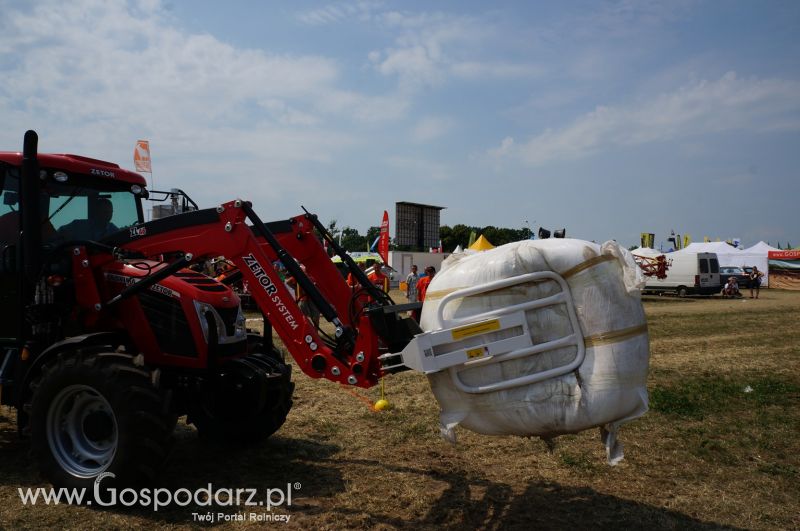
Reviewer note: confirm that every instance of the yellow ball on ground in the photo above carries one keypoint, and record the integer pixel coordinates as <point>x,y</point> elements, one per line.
<point>381,404</point>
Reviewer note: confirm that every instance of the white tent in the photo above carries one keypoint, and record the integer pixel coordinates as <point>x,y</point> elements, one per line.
<point>711,247</point>
<point>761,247</point>
<point>760,252</point>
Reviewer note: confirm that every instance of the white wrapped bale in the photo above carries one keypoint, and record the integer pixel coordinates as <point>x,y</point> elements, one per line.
<point>607,389</point>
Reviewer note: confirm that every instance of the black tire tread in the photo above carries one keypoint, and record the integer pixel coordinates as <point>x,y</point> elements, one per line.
<point>261,423</point>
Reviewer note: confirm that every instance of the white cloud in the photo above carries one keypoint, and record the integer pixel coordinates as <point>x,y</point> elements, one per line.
<point>505,148</point>
<point>222,121</point>
<point>418,169</point>
<point>363,107</point>
<point>288,115</point>
<point>431,128</point>
<point>430,48</point>
<point>495,70</point>
<point>729,103</point>
<point>414,65</point>
<point>337,13</point>
<point>620,19</point>
<point>134,75</point>
<point>139,63</point>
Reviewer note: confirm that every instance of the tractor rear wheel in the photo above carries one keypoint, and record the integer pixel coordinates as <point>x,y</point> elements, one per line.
<point>247,401</point>
<point>93,412</point>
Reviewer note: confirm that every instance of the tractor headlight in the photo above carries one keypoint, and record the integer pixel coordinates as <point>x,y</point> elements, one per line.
<point>228,324</point>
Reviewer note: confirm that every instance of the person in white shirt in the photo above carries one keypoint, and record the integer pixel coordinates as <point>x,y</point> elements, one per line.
<point>411,284</point>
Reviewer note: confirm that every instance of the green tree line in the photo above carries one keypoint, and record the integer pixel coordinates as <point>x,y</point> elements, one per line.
<point>351,239</point>
<point>460,235</point>
<point>451,237</point>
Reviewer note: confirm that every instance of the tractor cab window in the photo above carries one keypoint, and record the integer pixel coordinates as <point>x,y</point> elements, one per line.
<point>9,206</point>
<point>90,209</point>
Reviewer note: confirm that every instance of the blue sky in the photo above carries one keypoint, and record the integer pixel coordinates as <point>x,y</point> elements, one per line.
<point>607,118</point>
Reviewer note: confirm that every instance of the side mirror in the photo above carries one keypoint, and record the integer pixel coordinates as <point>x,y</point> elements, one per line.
<point>10,198</point>
<point>8,259</point>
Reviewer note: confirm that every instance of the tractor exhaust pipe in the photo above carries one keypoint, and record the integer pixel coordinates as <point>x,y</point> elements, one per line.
<point>31,240</point>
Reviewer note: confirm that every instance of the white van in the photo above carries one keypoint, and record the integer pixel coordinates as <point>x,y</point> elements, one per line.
<point>688,274</point>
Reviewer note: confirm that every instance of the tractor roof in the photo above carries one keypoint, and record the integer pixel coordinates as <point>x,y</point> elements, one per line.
<point>78,164</point>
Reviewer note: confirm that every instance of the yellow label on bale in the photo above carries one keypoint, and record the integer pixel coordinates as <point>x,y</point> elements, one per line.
<point>475,329</point>
<point>476,352</point>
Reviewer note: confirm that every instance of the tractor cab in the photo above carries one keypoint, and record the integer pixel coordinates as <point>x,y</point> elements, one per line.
<point>74,196</point>
<point>78,199</point>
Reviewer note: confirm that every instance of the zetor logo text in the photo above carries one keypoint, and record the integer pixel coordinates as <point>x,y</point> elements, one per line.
<point>204,497</point>
<point>102,173</point>
<point>263,279</point>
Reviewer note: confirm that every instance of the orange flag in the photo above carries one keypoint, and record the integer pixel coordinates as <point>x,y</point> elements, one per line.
<point>141,156</point>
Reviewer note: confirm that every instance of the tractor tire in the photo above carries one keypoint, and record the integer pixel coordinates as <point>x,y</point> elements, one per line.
<point>248,401</point>
<point>93,411</point>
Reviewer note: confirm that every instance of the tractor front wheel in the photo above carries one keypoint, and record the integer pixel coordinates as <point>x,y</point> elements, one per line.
<point>95,412</point>
<point>247,400</point>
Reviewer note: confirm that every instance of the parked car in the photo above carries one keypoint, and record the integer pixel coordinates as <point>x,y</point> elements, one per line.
<point>725,272</point>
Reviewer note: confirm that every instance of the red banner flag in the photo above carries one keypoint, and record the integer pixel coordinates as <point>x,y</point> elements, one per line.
<point>383,243</point>
<point>141,157</point>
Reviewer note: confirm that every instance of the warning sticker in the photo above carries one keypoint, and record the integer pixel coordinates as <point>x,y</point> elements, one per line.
<point>475,329</point>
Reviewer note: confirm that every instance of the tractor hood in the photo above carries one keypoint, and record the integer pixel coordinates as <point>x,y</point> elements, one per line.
<point>183,284</point>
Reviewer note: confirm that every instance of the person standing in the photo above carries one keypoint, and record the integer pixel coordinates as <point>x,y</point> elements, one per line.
<point>755,281</point>
<point>422,289</point>
<point>377,277</point>
<point>411,284</point>
<point>422,283</point>
<point>352,281</point>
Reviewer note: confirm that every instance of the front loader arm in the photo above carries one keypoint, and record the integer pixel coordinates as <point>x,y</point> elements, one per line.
<point>351,356</point>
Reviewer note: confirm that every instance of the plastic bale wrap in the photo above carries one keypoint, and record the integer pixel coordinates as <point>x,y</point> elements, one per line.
<point>606,390</point>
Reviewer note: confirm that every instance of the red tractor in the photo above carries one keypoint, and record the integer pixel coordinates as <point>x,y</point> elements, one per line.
<point>108,334</point>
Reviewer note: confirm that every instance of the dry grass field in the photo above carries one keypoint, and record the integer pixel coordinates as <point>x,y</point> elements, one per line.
<point>720,448</point>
